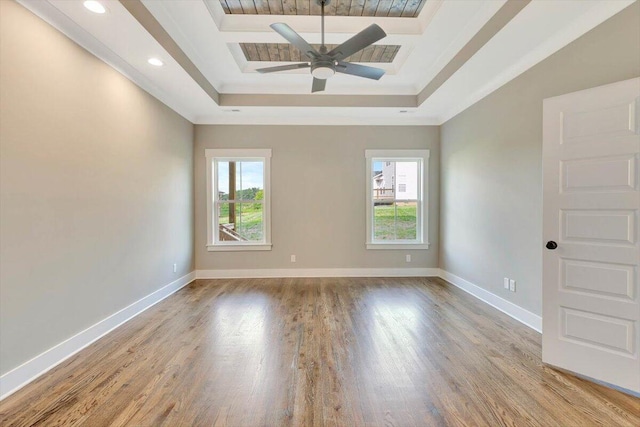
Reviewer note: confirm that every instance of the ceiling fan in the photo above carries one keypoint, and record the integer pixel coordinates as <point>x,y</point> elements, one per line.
<point>325,64</point>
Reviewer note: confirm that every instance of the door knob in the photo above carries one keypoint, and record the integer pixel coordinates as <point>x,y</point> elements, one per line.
<point>551,245</point>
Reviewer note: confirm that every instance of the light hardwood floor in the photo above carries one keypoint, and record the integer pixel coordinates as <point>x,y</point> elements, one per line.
<point>317,352</point>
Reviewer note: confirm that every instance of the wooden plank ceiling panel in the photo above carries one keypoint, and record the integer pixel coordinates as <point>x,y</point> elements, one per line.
<point>283,52</point>
<point>398,8</point>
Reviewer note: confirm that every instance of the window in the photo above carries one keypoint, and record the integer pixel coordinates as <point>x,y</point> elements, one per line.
<point>396,193</point>
<point>238,200</point>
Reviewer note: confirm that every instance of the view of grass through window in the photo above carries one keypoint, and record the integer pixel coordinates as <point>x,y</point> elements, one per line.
<point>249,220</point>
<point>239,201</point>
<point>396,221</point>
<point>395,200</point>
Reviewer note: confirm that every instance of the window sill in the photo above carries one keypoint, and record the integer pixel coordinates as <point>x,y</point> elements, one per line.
<point>237,248</point>
<point>405,246</point>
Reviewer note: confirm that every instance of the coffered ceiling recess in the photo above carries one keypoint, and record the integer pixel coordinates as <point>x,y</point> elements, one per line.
<point>398,8</point>
<point>439,56</point>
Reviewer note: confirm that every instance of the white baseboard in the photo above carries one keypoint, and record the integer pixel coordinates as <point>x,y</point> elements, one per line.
<point>317,272</point>
<point>18,377</point>
<point>520,314</point>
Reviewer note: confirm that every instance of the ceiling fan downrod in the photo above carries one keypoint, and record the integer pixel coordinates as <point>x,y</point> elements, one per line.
<point>323,48</point>
<point>323,68</point>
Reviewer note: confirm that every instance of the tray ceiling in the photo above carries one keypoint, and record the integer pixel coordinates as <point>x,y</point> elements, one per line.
<point>440,56</point>
<point>282,52</point>
<point>395,8</point>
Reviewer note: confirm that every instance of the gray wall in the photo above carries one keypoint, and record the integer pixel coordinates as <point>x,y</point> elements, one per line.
<point>96,189</point>
<point>491,162</point>
<point>318,195</point>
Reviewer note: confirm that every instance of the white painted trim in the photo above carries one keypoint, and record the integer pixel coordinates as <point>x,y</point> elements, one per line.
<point>238,153</point>
<point>341,117</point>
<point>589,20</point>
<point>18,377</point>
<point>520,314</point>
<point>401,246</point>
<point>317,272</point>
<point>240,246</point>
<point>422,156</point>
<point>228,154</point>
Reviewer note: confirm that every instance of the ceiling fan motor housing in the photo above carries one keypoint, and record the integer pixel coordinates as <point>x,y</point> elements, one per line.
<point>324,64</point>
<point>323,68</point>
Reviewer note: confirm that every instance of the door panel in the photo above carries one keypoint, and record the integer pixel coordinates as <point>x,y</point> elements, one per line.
<point>598,125</point>
<point>598,226</point>
<point>599,331</point>
<point>591,308</point>
<point>600,278</point>
<point>599,174</point>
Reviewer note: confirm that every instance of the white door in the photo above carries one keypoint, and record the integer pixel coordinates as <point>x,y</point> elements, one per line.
<point>591,308</point>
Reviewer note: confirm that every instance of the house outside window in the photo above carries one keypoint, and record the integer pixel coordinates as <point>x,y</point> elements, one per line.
<point>238,199</point>
<point>397,185</point>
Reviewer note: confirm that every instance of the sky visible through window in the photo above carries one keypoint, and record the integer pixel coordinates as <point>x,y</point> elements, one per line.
<point>252,175</point>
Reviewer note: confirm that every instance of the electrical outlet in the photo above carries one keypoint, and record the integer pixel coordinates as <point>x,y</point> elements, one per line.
<point>407,258</point>
<point>175,268</point>
<point>506,283</point>
<point>512,285</point>
<point>293,258</point>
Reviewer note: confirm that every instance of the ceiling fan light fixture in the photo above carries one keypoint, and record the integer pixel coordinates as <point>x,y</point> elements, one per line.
<point>322,72</point>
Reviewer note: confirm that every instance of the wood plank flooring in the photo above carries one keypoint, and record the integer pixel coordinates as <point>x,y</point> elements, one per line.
<point>316,352</point>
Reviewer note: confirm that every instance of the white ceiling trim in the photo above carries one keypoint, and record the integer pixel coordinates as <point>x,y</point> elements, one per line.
<point>484,12</point>
<point>192,26</point>
<point>251,28</point>
<point>326,116</point>
<point>444,33</point>
<point>595,15</point>
<point>313,37</point>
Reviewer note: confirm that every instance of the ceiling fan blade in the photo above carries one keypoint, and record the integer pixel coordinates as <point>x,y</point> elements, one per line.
<point>364,38</point>
<point>318,85</point>
<point>284,67</point>
<point>294,38</point>
<point>359,70</point>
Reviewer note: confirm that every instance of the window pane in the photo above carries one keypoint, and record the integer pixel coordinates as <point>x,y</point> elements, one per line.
<point>240,222</point>
<point>407,180</point>
<point>223,180</point>
<point>406,220</point>
<point>240,180</point>
<point>249,221</point>
<point>382,181</point>
<point>384,221</point>
<point>395,180</point>
<point>249,180</point>
<point>395,221</point>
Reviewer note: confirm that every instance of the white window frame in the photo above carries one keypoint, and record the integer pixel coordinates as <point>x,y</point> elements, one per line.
<point>422,220</point>
<point>213,155</point>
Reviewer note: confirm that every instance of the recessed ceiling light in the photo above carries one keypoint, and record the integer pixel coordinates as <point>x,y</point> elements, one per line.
<point>156,62</point>
<point>95,6</point>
